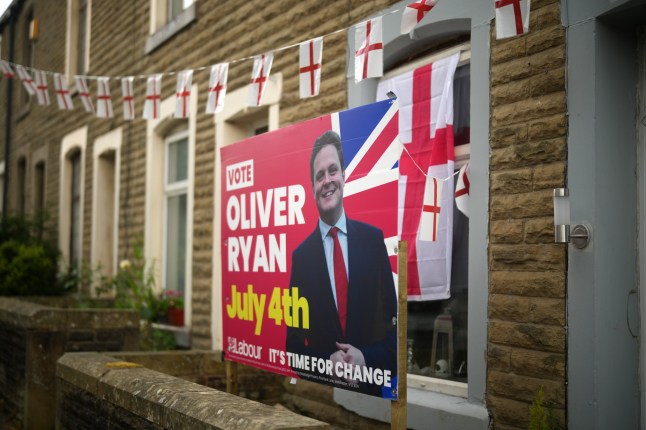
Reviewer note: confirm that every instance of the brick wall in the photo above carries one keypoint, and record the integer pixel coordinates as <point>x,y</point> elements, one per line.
<point>34,336</point>
<point>526,341</point>
<point>94,388</point>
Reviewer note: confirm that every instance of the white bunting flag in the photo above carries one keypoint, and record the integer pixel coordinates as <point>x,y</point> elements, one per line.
<point>462,190</point>
<point>128,98</point>
<point>84,93</point>
<point>42,90</point>
<point>512,17</point>
<point>103,100</point>
<point>413,14</point>
<point>217,88</point>
<point>259,77</point>
<point>430,220</point>
<point>153,97</point>
<point>63,97</point>
<point>7,71</point>
<point>309,63</point>
<point>26,80</point>
<point>182,103</point>
<point>369,50</point>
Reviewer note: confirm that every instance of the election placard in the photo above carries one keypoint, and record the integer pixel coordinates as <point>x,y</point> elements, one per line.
<point>309,238</point>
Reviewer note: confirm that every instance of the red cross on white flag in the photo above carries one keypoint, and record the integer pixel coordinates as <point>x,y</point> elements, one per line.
<point>42,90</point>
<point>183,93</point>
<point>103,100</point>
<point>217,88</point>
<point>153,97</point>
<point>259,76</point>
<point>462,189</point>
<point>512,17</point>
<point>414,12</point>
<point>63,97</point>
<point>430,219</point>
<point>26,80</point>
<point>84,93</point>
<point>309,62</point>
<point>128,98</point>
<point>7,71</point>
<point>426,130</point>
<point>369,50</point>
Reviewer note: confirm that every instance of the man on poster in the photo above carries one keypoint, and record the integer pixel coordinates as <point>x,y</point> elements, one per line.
<point>342,269</point>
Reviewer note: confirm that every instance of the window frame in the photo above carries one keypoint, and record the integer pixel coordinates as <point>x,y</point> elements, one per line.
<point>71,39</point>
<point>451,22</point>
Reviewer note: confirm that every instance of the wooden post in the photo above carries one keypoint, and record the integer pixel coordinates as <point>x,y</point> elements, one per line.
<point>232,377</point>
<point>398,409</point>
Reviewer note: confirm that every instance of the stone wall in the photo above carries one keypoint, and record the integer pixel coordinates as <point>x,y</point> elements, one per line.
<point>95,388</point>
<point>526,341</point>
<point>34,336</point>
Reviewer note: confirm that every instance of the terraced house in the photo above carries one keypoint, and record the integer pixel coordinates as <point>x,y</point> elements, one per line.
<point>559,107</point>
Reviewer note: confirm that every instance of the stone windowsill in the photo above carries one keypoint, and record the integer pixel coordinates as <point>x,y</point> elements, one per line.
<point>165,33</point>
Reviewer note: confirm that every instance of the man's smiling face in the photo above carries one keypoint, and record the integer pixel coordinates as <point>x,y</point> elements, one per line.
<point>329,179</point>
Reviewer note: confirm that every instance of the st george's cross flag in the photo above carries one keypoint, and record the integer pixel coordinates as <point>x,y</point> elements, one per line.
<point>103,100</point>
<point>84,93</point>
<point>310,57</point>
<point>26,80</point>
<point>63,97</point>
<point>462,190</point>
<point>128,97</point>
<point>431,209</point>
<point>414,12</point>
<point>183,94</point>
<point>259,78</point>
<point>42,89</point>
<point>6,69</point>
<point>512,17</point>
<point>426,130</point>
<point>217,88</point>
<point>368,50</point>
<point>152,105</point>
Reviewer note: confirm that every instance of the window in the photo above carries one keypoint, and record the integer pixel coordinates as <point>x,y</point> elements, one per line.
<point>39,187</point>
<point>21,184</point>
<point>433,400</point>
<point>71,197</point>
<point>167,18</point>
<point>75,209</point>
<point>77,58</point>
<point>105,201</point>
<point>27,53</point>
<point>168,234</point>
<point>175,199</point>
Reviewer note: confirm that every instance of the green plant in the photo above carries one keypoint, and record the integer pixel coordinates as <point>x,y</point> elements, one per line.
<point>134,288</point>
<point>541,415</point>
<point>28,257</point>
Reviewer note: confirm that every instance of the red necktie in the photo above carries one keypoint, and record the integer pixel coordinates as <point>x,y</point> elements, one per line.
<point>340,279</point>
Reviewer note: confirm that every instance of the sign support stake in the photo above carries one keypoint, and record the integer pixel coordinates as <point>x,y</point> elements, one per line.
<point>232,377</point>
<point>398,408</point>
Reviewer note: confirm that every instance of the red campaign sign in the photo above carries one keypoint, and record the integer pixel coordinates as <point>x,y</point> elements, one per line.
<point>288,305</point>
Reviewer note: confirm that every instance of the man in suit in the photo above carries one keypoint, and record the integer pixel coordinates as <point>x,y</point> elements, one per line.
<point>351,297</point>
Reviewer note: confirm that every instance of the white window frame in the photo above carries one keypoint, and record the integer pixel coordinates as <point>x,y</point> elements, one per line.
<point>235,123</point>
<point>462,156</point>
<point>157,131</point>
<point>109,142</point>
<point>71,38</point>
<point>76,140</point>
<point>177,188</point>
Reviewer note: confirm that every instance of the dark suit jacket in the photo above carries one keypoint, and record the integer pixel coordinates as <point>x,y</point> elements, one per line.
<point>372,303</point>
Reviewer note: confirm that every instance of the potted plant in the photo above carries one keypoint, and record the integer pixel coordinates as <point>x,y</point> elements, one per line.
<point>175,307</point>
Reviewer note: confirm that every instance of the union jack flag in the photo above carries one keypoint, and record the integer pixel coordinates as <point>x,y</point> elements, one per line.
<point>371,150</point>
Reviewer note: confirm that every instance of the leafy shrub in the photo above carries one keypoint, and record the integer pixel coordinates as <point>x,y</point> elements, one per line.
<point>28,257</point>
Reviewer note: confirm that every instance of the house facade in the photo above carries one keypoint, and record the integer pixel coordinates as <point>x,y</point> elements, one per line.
<point>559,107</point>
